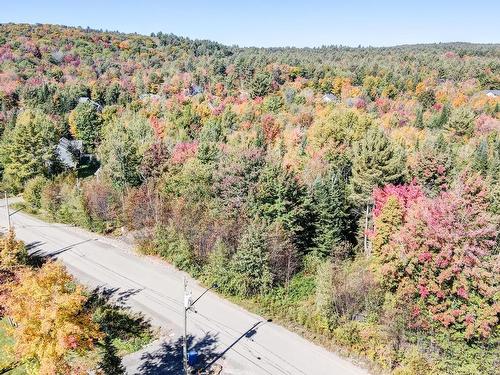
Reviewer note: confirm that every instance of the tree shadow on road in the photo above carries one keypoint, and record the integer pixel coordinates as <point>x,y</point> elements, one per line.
<point>168,359</point>
<point>118,323</point>
<point>38,256</point>
<point>114,317</point>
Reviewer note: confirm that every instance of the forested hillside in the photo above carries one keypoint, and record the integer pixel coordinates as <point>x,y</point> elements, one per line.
<point>350,193</point>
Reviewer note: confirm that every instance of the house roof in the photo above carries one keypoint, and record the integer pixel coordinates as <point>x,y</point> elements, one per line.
<point>84,99</point>
<point>329,97</point>
<point>491,92</point>
<point>66,152</point>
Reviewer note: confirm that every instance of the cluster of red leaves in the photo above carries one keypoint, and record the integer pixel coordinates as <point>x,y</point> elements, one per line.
<point>270,127</point>
<point>486,124</point>
<point>405,194</point>
<point>183,151</point>
<point>442,263</point>
<point>8,83</point>
<point>6,53</point>
<point>158,127</point>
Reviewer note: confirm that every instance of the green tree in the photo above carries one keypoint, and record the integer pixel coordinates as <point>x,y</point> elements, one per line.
<point>376,162</point>
<point>260,85</point>
<point>480,161</point>
<point>439,121</point>
<point>389,220</point>
<point>331,211</point>
<point>216,270</point>
<point>461,122</point>
<point>250,263</point>
<point>338,127</point>
<point>85,124</point>
<point>427,98</point>
<point>419,118</point>
<point>112,94</point>
<point>29,149</point>
<point>122,149</point>
<point>279,197</point>
<point>32,194</point>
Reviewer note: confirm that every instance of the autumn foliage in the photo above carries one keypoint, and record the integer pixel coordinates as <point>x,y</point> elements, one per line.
<point>346,174</point>
<point>439,260</point>
<point>48,308</point>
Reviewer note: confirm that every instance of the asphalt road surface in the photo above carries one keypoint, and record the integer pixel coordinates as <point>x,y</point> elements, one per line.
<point>225,334</point>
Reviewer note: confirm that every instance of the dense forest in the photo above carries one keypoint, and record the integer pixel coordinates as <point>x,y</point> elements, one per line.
<point>350,193</point>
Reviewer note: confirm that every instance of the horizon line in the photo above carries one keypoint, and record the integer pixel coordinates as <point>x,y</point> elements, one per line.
<point>360,46</point>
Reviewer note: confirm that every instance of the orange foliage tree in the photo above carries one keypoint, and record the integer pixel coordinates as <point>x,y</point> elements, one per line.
<point>48,309</point>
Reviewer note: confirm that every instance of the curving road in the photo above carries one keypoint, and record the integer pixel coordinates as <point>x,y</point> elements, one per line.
<point>227,335</point>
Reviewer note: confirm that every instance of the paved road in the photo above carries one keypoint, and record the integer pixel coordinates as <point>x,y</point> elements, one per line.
<point>242,342</point>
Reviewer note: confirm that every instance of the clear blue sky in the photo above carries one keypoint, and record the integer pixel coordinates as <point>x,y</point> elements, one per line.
<point>276,23</point>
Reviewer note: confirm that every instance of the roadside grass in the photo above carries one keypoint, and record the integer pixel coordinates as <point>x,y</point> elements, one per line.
<point>292,308</point>
<point>127,331</point>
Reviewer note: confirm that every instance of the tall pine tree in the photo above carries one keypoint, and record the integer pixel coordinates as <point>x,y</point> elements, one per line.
<point>279,197</point>
<point>250,263</point>
<point>331,211</point>
<point>376,162</point>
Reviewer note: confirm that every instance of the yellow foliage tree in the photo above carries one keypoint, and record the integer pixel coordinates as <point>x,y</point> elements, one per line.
<point>50,319</point>
<point>12,252</point>
<point>335,127</point>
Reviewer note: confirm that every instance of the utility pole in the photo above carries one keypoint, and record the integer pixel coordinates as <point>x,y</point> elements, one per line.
<point>187,305</point>
<point>8,210</point>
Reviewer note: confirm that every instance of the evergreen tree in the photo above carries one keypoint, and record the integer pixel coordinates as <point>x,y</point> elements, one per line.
<point>439,121</point>
<point>376,162</point>
<point>461,122</point>
<point>216,270</point>
<point>480,158</point>
<point>331,211</point>
<point>260,85</point>
<point>250,263</point>
<point>419,118</point>
<point>279,197</point>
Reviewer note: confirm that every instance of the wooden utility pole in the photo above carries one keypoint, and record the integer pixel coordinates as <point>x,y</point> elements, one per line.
<point>8,210</point>
<point>367,250</point>
<point>187,305</point>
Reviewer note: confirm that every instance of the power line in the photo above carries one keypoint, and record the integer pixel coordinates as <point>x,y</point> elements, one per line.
<point>172,300</point>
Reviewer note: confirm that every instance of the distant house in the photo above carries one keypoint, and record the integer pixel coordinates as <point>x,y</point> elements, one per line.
<point>150,96</point>
<point>194,90</point>
<point>329,98</point>
<point>355,102</point>
<point>69,152</point>
<point>84,99</point>
<point>492,93</point>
